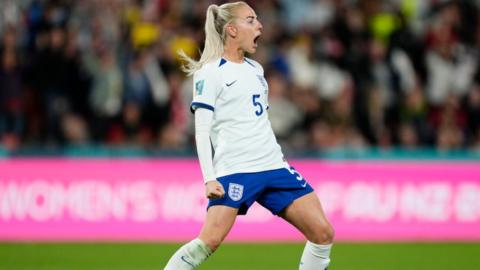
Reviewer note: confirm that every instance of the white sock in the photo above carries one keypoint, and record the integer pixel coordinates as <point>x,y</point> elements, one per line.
<point>315,257</point>
<point>189,256</point>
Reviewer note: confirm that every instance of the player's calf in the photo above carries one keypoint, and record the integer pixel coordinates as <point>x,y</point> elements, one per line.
<point>315,256</point>
<point>189,256</point>
<point>212,242</point>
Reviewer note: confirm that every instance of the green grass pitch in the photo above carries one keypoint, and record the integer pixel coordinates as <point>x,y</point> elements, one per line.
<point>246,256</point>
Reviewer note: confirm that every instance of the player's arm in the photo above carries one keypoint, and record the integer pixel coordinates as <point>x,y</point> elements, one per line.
<point>203,124</point>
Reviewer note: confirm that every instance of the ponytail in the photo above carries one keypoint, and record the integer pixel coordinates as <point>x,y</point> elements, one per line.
<point>216,20</point>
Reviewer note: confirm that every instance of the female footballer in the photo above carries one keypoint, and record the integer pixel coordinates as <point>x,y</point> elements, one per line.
<point>230,106</point>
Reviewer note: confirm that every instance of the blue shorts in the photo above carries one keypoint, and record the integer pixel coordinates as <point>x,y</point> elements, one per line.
<point>274,190</point>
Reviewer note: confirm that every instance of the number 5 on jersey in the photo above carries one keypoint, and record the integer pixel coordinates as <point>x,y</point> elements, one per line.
<point>257,104</point>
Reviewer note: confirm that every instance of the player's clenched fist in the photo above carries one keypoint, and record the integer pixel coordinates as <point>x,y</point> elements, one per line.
<point>214,190</point>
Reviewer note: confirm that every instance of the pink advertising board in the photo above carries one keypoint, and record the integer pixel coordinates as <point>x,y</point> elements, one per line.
<point>163,200</point>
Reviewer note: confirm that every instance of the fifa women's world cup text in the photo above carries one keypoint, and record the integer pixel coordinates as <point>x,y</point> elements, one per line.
<point>230,105</point>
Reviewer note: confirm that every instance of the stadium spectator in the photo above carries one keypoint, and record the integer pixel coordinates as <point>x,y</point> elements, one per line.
<point>11,92</point>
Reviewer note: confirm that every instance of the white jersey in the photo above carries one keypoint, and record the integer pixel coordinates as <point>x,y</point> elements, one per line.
<point>241,134</point>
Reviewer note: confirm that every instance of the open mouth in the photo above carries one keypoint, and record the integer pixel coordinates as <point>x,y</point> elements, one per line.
<point>255,40</point>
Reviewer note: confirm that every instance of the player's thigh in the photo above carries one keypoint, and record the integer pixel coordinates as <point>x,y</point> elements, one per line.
<point>219,221</point>
<point>307,215</point>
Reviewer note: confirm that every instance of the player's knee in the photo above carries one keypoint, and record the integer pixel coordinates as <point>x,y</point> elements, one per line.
<point>323,234</point>
<point>213,243</point>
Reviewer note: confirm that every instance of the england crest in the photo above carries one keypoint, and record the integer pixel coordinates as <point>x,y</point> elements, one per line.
<point>235,191</point>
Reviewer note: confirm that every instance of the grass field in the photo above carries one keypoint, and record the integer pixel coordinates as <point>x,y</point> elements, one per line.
<point>279,256</point>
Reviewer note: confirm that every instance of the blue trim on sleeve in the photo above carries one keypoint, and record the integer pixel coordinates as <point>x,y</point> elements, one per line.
<point>196,105</point>
<point>245,59</point>
<point>222,61</point>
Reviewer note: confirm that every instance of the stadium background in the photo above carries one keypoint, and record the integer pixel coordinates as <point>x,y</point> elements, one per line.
<point>351,83</point>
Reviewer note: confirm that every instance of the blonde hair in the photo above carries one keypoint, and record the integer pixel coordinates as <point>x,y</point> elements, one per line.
<point>215,35</point>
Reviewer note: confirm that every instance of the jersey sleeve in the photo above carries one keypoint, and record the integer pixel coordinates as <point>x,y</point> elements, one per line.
<point>206,86</point>
<point>265,83</point>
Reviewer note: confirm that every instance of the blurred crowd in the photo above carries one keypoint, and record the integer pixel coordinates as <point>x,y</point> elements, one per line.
<point>341,73</point>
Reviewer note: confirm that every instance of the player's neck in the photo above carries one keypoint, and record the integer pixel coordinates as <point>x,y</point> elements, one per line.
<point>233,54</point>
